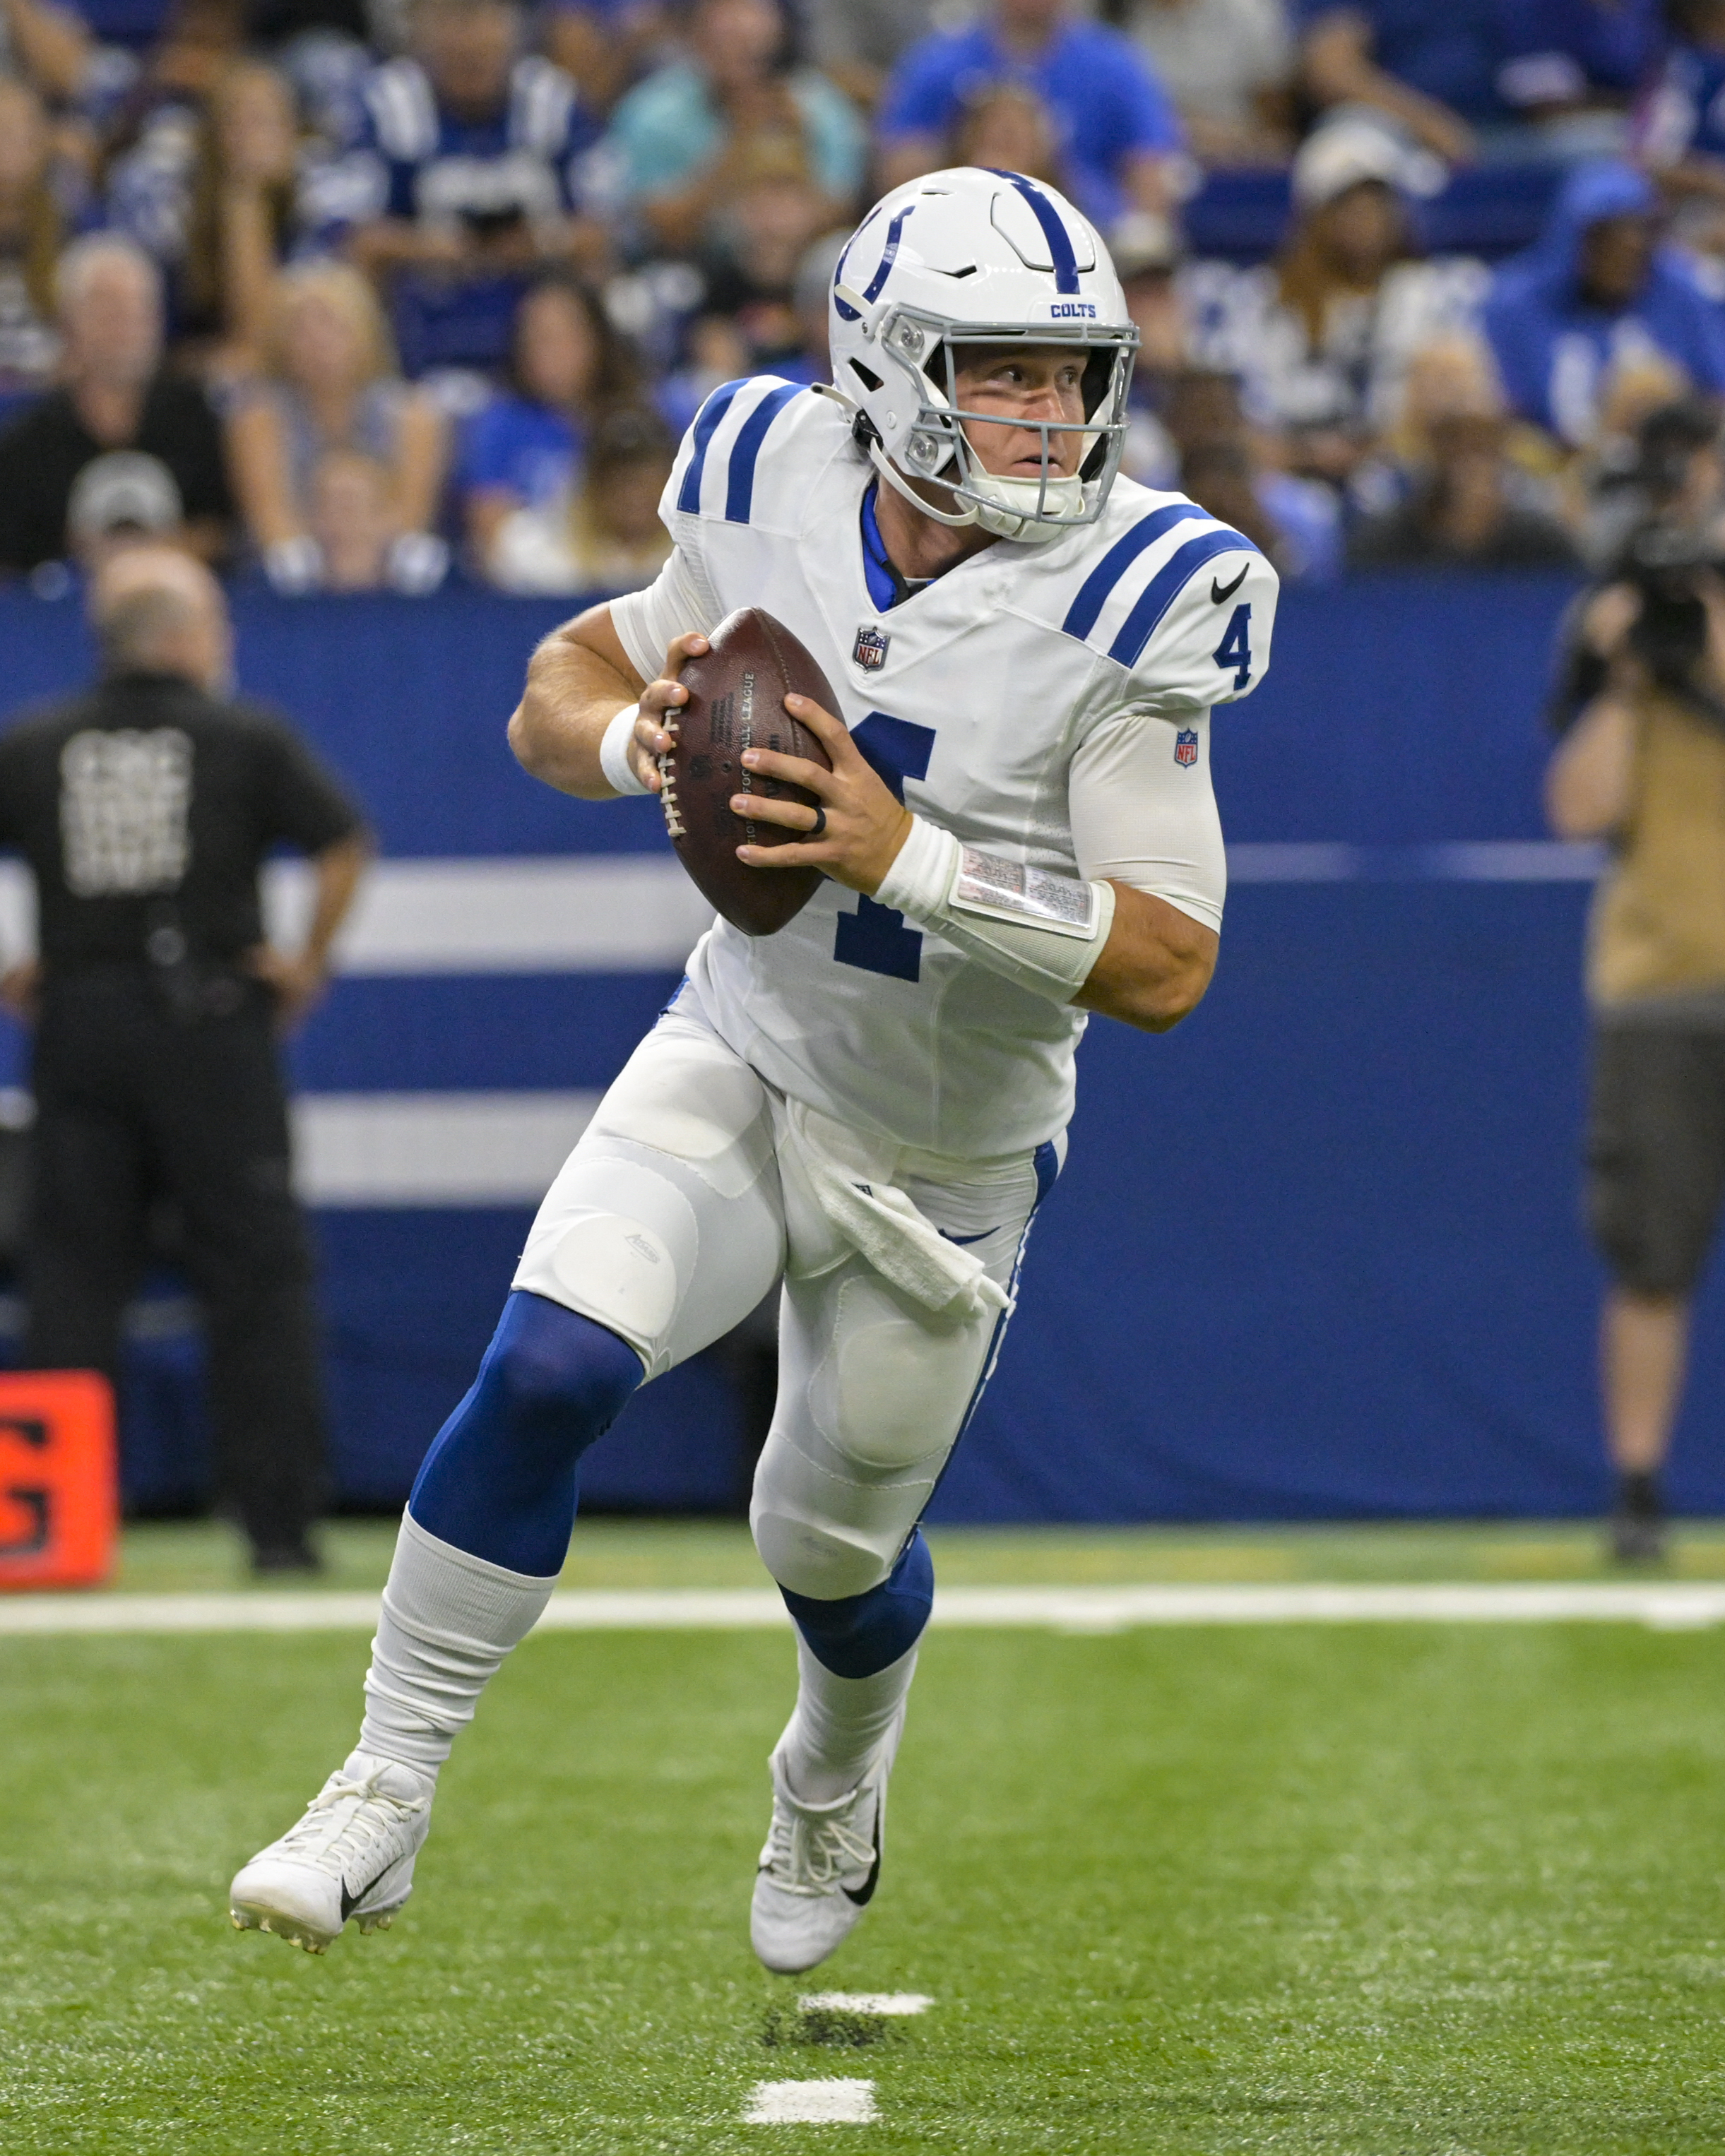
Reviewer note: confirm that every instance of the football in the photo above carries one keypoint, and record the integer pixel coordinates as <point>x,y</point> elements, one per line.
<point>737,692</point>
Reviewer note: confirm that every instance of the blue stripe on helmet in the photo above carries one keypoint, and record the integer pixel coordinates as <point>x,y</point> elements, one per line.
<point>707,419</point>
<point>872,290</point>
<point>1081,615</point>
<point>1166,586</point>
<point>739,490</point>
<point>1059,239</point>
<point>847,314</point>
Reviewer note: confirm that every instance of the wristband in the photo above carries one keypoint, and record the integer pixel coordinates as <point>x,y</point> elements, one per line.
<point>1041,930</point>
<point>614,747</point>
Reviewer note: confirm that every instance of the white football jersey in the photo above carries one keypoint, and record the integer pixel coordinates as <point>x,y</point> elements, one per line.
<point>972,697</point>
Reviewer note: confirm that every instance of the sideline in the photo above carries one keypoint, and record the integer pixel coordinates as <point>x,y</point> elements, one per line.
<point>1663,1606</point>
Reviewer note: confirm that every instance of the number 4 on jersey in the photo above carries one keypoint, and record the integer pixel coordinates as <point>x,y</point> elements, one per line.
<point>1235,649</point>
<point>874,938</point>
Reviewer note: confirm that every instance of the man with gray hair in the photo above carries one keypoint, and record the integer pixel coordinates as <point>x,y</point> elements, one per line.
<point>145,808</point>
<point>120,439</point>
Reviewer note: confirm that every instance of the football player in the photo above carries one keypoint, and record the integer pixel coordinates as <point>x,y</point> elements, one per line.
<point>1018,829</point>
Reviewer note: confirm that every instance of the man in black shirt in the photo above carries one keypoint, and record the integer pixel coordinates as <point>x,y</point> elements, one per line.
<point>144,808</point>
<point>116,398</point>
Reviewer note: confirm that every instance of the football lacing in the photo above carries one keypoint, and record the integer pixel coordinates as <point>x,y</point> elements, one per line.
<point>674,825</point>
<point>811,1856</point>
<point>327,1835</point>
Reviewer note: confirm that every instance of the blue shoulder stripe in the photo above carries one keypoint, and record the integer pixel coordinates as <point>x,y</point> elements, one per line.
<point>1166,586</point>
<point>1081,615</point>
<point>707,421</point>
<point>739,492</point>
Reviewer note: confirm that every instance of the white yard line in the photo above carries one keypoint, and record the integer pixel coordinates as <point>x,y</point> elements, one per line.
<point>1665,1606</point>
<point>889,2004</point>
<point>810,2103</point>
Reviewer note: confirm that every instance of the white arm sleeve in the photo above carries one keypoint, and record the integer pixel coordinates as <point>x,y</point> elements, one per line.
<point>680,598</point>
<point>1142,817</point>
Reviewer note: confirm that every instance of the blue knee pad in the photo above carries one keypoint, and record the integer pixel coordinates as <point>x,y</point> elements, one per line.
<point>864,1633</point>
<point>500,1479</point>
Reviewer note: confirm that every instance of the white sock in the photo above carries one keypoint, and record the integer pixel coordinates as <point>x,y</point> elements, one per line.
<point>448,1619</point>
<point>840,1725</point>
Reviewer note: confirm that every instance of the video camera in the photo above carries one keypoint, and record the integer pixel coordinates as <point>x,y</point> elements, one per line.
<point>1666,565</point>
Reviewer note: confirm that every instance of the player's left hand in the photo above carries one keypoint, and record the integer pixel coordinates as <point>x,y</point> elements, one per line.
<point>864,824</point>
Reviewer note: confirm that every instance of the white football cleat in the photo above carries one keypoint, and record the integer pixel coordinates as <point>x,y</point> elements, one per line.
<point>351,1855</point>
<point>818,1870</point>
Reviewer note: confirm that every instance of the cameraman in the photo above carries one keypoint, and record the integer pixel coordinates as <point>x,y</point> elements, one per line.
<point>1642,763</point>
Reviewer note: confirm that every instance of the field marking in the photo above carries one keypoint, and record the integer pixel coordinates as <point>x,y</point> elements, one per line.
<point>1674,1606</point>
<point>885,2003</point>
<point>812,2103</point>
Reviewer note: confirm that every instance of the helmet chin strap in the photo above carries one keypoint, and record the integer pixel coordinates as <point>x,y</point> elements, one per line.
<point>896,480</point>
<point>888,471</point>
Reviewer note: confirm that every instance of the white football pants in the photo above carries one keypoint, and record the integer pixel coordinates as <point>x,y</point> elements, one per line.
<point>668,1224</point>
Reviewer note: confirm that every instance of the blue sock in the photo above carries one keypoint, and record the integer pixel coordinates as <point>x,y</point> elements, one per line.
<point>500,1479</point>
<point>863,1634</point>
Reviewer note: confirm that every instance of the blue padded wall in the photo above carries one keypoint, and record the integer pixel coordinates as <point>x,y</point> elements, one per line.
<point>1316,1254</point>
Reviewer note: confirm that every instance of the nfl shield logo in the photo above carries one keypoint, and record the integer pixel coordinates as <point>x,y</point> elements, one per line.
<point>870,649</point>
<point>1186,746</point>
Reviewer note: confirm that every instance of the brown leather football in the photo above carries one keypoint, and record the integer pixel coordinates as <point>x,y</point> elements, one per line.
<point>737,692</point>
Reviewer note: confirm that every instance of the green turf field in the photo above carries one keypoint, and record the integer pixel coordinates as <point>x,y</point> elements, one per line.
<point>1391,1891</point>
<point>170,1558</point>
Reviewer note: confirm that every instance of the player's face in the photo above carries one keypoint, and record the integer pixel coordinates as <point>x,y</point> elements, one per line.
<point>1023,385</point>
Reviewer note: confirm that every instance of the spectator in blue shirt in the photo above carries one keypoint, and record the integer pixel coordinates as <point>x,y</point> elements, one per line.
<point>683,143</point>
<point>463,180</point>
<point>1596,294</point>
<point>1570,67</point>
<point>1118,130</point>
<point>1682,132</point>
<point>524,449</point>
<point>1430,65</point>
<point>1486,78</point>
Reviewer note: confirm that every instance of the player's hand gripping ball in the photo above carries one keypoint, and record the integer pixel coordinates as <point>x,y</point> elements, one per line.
<point>736,701</point>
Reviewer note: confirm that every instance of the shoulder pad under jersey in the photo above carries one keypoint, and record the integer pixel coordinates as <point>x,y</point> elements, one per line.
<point>753,454</point>
<point>1181,603</point>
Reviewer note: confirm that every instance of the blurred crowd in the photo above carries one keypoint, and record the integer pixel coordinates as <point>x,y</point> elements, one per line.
<point>352,295</point>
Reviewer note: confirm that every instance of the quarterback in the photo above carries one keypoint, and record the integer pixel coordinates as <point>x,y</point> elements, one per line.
<point>1017,829</point>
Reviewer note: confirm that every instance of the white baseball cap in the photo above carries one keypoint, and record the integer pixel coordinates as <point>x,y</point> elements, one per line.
<point>1346,152</point>
<point>127,489</point>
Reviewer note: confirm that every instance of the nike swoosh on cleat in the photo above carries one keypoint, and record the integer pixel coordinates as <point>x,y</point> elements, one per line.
<point>864,1894</point>
<point>350,1900</point>
<point>1218,593</point>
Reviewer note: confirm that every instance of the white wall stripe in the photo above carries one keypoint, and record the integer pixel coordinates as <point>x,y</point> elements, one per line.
<point>812,2103</point>
<point>615,913</point>
<point>408,1149</point>
<point>1292,864</point>
<point>619,913</point>
<point>1663,1606</point>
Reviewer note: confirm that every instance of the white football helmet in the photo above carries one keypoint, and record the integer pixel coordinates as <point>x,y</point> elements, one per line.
<point>969,257</point>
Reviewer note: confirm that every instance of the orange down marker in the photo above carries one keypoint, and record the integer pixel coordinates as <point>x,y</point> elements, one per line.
<point>59,1498</point>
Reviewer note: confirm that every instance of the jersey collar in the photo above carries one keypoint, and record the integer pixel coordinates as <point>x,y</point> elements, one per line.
<point>887,587</point>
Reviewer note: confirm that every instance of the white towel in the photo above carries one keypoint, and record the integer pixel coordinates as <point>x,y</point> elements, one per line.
<point>839,1199</point>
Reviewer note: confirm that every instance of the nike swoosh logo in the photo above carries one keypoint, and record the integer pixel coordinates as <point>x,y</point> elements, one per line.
<point>1218,593</point>
<point>864,1894</point>
<point>351,1898</point>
